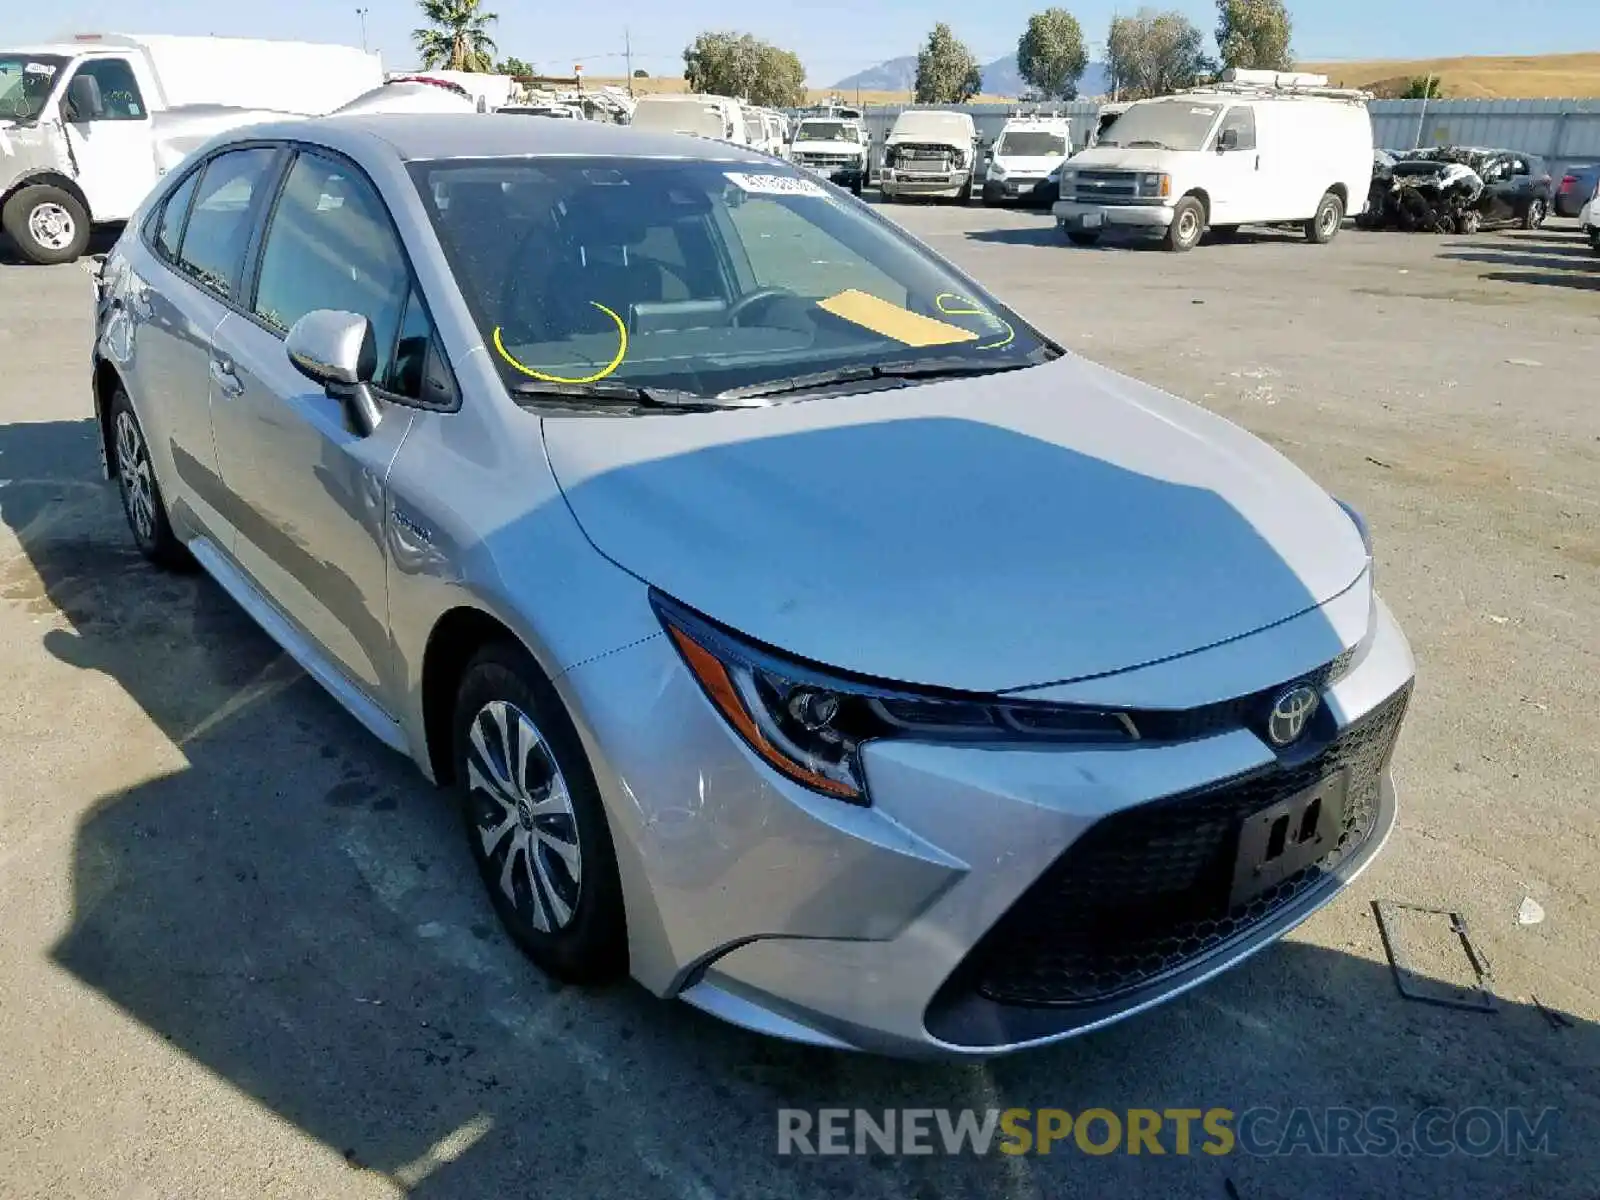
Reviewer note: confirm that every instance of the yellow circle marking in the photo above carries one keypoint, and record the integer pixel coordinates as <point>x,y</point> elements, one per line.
<point>974,311</point>
<point>622,352</point>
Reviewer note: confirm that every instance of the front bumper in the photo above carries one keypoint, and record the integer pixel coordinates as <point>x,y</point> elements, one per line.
<point>913,927</point>
<point>853,176</point>
<point>901,183</point>
<point>1010,190</point>
<point>1076,216</point>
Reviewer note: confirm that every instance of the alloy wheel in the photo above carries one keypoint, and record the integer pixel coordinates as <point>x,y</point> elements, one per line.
<point>522,811</point>
<point>135,477</point>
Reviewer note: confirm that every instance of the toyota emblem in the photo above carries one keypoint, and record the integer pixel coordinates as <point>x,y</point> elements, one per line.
<point>1291,713</point>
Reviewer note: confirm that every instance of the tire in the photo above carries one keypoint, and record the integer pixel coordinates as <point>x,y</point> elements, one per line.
<point>1467,222</point>
<point>1079,237</point>
<point>1324,225</point>
<point>571,923</point>
<point>48,225</point>
<point>1536,212</point>
<point>1188,223</point>
<point>1594,240</point>
<point>142,502</point>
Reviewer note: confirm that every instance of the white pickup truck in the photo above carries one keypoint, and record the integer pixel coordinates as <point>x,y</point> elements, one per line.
<point>88,125</point>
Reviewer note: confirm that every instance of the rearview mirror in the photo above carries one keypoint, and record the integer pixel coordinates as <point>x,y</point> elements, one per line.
<point>84,101</point>
<point>337,350</point>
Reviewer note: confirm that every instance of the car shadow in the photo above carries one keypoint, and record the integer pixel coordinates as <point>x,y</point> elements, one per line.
<point>1043,234</point>
<point>296,912</point>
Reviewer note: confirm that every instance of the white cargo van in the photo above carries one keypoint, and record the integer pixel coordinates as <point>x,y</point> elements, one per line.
<point>87,126</point>
<point>929,152</point>
<point>1024,155</point>
<point>704,116</point>
<point>1259,148</point>
<point>834,148</point>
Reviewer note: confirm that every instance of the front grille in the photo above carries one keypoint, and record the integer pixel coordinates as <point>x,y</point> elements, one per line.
<point>826,160</point>
<point>1109,186</point>
<point>1144,892</point>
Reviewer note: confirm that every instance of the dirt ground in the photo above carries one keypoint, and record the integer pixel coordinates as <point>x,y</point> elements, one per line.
<point>243,952</point>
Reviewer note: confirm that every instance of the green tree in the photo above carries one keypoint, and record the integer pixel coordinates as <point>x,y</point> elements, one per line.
<point>1051,54</point>
<point>1152,53</point>
<point>1254,34</point>
<point>1423,87</point>
<point>457,37</point>
<point>742,66</point>
<point>515,67</point>
<point>947,72</point>
<point>641,73</point>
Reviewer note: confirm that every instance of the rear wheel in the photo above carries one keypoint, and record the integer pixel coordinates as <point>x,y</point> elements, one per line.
<point>1188,223</point>
<point>142,503</point>
<point>534,819</point>
<point>1536,212</point>
<point>1079,237</point>
<point>1323,227</point>
<point>1467,222</point>
<point>48,225</point>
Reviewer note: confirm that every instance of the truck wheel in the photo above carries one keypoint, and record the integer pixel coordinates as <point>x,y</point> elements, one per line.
<point>1079,237</point>
<point>1323,227</point>
<point>1467,222</point>
<point>1537,211</point>
<point>47,224</point>
<point>1188,223</point>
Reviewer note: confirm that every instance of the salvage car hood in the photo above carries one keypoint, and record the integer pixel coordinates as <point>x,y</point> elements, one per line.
<point>983,534</point>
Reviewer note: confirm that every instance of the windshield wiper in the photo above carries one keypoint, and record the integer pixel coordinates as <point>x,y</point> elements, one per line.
<point>611,393</point>
<point>917,368</point>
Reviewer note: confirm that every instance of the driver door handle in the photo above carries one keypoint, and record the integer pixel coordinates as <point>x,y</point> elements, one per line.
<point>222,374</point>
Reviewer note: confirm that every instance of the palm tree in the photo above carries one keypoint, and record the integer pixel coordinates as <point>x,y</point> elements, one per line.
<point>459,39</point>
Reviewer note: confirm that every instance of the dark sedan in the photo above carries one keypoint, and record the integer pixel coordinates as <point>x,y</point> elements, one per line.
<point>1576,188</point>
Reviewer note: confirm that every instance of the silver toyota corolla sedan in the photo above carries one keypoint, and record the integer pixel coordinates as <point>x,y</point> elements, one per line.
<point>802,631</point>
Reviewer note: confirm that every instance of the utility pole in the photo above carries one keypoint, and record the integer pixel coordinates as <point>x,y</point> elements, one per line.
<point>627,45</point>
<point>362,13</point>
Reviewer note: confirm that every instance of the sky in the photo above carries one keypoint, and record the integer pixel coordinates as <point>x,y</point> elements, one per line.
<point>833,38</point>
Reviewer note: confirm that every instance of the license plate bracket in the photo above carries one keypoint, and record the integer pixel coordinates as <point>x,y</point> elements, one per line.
<point>1288,836</point>
<point>1091,220</point>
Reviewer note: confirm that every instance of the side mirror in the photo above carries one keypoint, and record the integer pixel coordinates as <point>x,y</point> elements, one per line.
<point>336,349</point>
<point>84,101</point>
<point>1228,139</point>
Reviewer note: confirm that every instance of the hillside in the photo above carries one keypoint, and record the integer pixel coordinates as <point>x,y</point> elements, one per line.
<point>1556,76</point>
<point>1000,78</point>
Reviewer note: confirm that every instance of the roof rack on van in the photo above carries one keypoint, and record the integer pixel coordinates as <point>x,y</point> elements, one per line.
<point>1237,81</point>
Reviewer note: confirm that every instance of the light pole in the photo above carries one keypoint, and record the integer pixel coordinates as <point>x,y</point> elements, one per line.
<point>362,13</point>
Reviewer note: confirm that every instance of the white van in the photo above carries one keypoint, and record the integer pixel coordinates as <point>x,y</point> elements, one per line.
<point>88,126</point>
<point>1260,148</point>
<point>929,152</point>
<point>1027,151</point>
<point>717,117</point>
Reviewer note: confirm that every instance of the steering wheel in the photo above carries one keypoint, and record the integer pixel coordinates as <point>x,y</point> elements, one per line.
<point>760,296</point>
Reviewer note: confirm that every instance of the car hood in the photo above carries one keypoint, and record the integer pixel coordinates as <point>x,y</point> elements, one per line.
<point>1115,158</point>
<point>983,534</point>
<point>812,146</point>
<point>1029,164</point>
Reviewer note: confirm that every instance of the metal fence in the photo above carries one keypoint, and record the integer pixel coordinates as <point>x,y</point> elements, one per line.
<point>1566,132</point>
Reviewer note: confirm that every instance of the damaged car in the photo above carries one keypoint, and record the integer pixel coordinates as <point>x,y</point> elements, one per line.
<point>1458,189</point>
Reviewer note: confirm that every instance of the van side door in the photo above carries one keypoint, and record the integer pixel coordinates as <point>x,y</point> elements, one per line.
<point>1236,183</point>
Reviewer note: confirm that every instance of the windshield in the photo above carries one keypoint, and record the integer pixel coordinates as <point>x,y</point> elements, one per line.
<point>1031,144</point>
<point>682,116</point>
<point>1163,125</point>
<point>25,83</point>
<point>827,131</point>
<point>698,277</point>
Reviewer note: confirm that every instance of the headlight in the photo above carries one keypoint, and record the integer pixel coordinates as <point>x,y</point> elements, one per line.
<point>1155,184</point>
<point>959,159</point>
<point>809,723</point>
<point>996,171</point>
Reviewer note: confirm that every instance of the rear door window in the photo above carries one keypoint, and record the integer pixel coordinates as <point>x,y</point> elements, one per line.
<point>214,241</point>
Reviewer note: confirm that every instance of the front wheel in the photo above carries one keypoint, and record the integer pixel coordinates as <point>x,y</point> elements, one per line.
<point>48,225</point>
<point>1468,221</point>
<point>1188,223</point>
<point>534,819</point>
<point>1536,213</point>
<point>1079,237</point>
<point>1323,227</point>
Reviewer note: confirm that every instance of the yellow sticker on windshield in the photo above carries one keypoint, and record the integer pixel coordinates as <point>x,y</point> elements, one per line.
<point>892,321</point>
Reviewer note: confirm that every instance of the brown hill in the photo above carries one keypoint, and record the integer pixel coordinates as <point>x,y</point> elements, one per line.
<point>1558,76</point>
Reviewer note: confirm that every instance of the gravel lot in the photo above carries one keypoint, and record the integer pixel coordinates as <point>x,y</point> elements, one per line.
<point>243,952</point>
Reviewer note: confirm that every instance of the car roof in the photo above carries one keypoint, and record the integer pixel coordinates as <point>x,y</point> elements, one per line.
<point>431,136</point>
